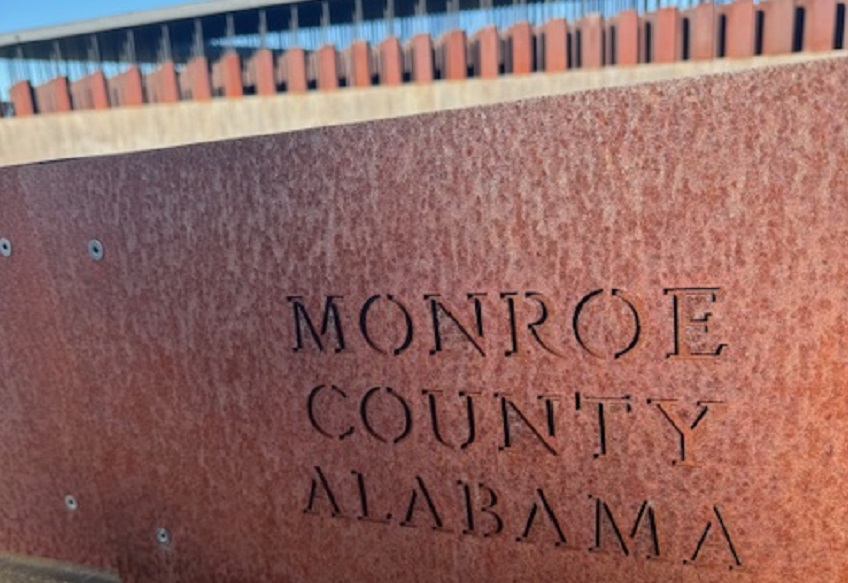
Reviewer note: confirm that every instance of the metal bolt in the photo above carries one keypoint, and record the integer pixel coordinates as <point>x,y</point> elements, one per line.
<point>5,247</point>
<point>95,249</point>
<point>163,537</point>
<point>71,503</point>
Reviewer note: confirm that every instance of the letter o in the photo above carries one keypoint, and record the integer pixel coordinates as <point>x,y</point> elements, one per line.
<point>363,324</point>
<point>616,293</point>
<point>407,414</point>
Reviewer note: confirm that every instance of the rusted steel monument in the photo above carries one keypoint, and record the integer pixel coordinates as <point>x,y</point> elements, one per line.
<point>599,337</point>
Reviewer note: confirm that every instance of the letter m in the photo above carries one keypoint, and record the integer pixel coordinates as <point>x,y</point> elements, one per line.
<point>304,324</point>
<point>644,518</point>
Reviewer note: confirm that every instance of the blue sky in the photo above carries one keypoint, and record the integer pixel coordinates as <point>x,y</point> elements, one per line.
<point>35,13</point>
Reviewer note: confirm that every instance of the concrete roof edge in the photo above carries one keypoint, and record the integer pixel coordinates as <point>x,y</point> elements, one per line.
<point>134,19</point>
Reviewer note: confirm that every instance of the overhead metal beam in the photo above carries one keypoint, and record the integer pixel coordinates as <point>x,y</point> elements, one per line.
<point>136,19</point>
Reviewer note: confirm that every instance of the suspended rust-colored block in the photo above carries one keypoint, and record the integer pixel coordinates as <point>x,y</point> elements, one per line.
<point>555,35</point>
<point>90,92</point>
<point>126,89</point>
<point>520,51</point>
<point>195,83</point>
<point>739,19</point>
<point>53,96</point>
<point>703,21</point>
<point>422,56</point>
<point>391,61</point>
<point>778,26</point>
<point>259,73</point>
<point>453,55</point>
<point>325,67</point>
<point>588,39</point>
<point>820,24</point>
<point>22,97</point>
<point>358,64</point>
<point>486,53</point>
<point>161,85</point>
<point>227,77</point>
<point>622,39</point>
<point>668,35</point>
<point>291,71</point>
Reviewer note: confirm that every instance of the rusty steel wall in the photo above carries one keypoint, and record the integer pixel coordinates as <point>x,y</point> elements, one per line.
<point>598,337</point>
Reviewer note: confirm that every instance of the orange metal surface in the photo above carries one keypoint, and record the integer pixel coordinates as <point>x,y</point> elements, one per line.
<point>595,337</point>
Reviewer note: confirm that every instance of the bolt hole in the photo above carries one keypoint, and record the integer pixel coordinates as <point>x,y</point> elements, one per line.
<point>5,247</point>
<point>71,503</point>
<point>95,249</point>
<point>163,536</point>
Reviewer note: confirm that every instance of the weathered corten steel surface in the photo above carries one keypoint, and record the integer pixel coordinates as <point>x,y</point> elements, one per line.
<point>634,369</point>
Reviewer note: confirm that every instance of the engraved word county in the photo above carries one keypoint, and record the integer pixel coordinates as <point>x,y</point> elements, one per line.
<point>504,325</point>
